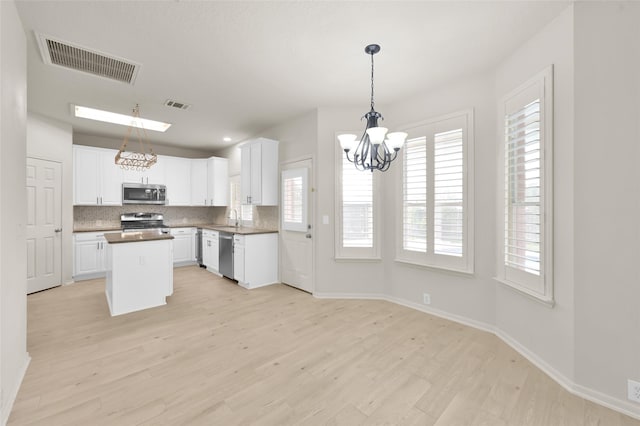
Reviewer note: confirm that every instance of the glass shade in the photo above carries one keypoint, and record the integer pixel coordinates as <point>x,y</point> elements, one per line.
<point>348,141</point>
<point>395,140</point>
<point>376,134</point>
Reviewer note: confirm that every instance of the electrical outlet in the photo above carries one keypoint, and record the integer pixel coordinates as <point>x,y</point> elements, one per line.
<point>633,390</point>
<point>426,298</point>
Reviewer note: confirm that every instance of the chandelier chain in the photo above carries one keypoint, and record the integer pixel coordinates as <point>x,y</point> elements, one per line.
<point>372,102</point>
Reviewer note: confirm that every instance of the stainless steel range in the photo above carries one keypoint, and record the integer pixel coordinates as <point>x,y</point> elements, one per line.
<point>143,221</point>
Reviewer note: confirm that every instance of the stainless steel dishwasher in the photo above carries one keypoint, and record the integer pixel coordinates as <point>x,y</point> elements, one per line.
<point>226,254</point>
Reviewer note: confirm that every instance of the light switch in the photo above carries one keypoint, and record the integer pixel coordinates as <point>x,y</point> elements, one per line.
<point>325,219</point>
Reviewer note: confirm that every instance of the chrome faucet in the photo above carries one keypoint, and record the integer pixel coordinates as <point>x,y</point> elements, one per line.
<point>236,218</point>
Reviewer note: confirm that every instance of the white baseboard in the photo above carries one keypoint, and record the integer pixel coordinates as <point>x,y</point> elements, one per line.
<point>628,408</point>
<point>11,397</point>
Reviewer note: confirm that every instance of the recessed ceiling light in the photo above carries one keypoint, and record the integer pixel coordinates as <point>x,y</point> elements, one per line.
<point>226,139</point>
<point>124,120</point>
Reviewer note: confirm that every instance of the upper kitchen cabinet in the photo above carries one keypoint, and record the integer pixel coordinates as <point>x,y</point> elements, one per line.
<point>153,175</point>
<point>217,181</point>
<point>259,172</point>
<point>96,178</point>
<point>177,179</point>
<point>199,182</point>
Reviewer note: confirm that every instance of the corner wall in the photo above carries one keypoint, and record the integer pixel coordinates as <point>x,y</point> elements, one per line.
<point>607,194</point>
<point>547,333</point>
<point>49,139</point>
<point>13,205</point>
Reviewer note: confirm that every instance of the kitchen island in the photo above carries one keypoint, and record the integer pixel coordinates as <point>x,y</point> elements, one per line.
<point>139,270</point>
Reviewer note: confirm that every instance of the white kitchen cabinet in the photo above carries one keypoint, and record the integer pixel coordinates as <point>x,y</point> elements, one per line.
<point>217,181</point>
<point>255,259</point>
<point>210,250</point>
<point>259,172</point>
<point>199,184</point>
<point>97,180</point>
<point>153,175</point>
<point>89,255</point>
<point>178,180</point>
<point>183,245</point>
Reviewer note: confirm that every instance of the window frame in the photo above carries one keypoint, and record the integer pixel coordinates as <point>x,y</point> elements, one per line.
<point>236,180</point>
<point>429,259</point>
<point>539,287</point>
<point>354,253</point>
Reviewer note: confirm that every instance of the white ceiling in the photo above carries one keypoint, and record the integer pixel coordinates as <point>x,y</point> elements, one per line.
<point>246,66</point>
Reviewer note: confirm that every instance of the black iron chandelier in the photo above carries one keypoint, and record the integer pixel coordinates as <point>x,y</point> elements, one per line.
<point>373,151</point>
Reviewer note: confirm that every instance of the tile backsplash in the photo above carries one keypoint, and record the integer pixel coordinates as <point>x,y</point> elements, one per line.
<point>88,217</point>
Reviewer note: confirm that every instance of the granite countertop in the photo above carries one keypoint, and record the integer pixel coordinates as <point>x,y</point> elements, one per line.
<point>137,236</point>
<point>242,230</point>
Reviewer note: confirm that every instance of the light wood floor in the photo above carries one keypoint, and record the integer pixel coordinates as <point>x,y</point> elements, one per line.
<point>217,354</point>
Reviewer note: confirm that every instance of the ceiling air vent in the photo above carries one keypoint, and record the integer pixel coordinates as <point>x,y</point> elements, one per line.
<point>176,104</point>
<point>75,57</point>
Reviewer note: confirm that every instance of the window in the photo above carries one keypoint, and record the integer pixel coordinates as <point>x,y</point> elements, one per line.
<point>525,184</point>
<point>435,195</point>
<point>294,199</point>
<point>356,212</point>
<point>245,211</point>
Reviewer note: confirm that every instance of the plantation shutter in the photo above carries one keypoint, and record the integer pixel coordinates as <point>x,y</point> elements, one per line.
<point>523,189</point>
<point>357,206</point>
<point>448,190</point>
<point>415,195</point>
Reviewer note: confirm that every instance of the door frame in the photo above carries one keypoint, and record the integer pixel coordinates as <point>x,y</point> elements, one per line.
<point>310,209</point>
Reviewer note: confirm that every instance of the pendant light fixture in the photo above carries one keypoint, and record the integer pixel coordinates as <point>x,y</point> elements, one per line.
<point>373,151</point>
<point>145,157</point>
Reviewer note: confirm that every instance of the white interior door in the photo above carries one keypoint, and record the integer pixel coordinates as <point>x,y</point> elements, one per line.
<point>296,242</point>
<point>44,229</point>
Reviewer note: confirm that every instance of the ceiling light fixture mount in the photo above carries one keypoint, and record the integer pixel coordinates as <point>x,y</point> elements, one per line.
<point>373,151</point>
<point>145,157</point>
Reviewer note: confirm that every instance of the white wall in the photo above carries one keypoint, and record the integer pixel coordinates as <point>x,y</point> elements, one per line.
<point>13,205</point>
<point>607,188</point>
<point>547,332</point>
<point>115,143</point>
<point>468,296</point>
<point>49,139</point>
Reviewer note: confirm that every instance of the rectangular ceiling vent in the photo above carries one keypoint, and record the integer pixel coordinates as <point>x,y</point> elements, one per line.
<point>176,104</point>
<point>75,57</point>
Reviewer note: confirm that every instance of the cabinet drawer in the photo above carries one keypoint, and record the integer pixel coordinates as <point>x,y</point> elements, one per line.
<point>88,236</point>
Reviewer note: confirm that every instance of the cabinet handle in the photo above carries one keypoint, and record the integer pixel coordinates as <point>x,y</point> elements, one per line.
<point>97,200</point>
<point>98,245</point>
<point>100,200</point>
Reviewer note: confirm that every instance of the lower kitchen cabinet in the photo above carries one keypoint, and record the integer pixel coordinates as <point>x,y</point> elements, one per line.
<point>183,245</point>
<point>210,249</point>
<point>89,255</point>
<point>255,259</point>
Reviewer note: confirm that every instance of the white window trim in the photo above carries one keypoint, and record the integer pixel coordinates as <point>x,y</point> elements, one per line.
<point>543,289</point>
<point>342,253</point>
<point>236,179</point>
<point>464,265</point>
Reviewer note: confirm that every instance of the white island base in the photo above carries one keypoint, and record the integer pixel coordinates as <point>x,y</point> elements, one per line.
<point>139,275</point>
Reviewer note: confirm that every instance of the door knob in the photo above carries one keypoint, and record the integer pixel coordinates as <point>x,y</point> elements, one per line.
<point>307,236</point>
<point>58,230</point>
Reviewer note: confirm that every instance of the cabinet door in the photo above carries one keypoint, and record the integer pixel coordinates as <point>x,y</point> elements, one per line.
<point>256,174</point>
<point>155,174</point>
<point>199,182</point>
<point>85,176</point>
<point>245,174</point>
<point>238,258</point>
<point>178,180</point>
<point>88,257</point>
<point>206,251</point>
<point>218,181</point>
<point>111,179</point>
<point>215,252</point>
<point>182,246</point>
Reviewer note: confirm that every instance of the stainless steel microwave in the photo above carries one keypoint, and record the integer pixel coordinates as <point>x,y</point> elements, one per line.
<point>140,193</point>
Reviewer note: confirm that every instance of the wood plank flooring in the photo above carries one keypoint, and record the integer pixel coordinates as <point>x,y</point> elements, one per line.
<point>218,354</point>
